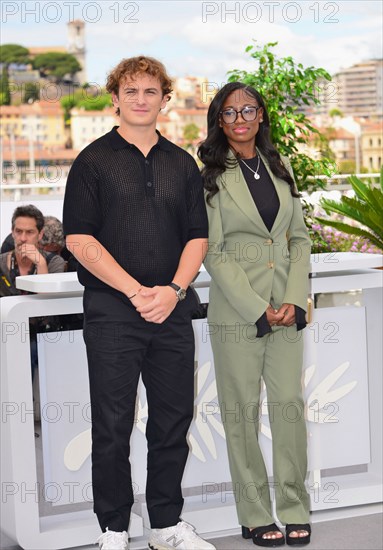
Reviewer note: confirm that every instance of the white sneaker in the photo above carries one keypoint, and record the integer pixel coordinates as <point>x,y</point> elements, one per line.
<point>113,540</point>
<point>181,536</point>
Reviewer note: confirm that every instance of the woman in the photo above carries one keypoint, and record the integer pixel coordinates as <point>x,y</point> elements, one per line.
<point>258,260</point>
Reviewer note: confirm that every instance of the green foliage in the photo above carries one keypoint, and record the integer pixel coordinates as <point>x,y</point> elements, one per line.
<point>67,103</point>
<point>56,65</point>
<point>32,92</point>
<point>84,99</point>
<point>322,142</point>
<point>191,134</point>
<point>366,208</point>
<point>347,166</point>
<point>70,101</point>
<point>5,94</point>
<point>335,112</point>
<point>96,103</point>
<point>13,53</point>
<point>329,239</point>
<point>287,87</point>
<point>318,243</point>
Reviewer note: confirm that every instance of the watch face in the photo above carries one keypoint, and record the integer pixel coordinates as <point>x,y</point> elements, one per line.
<point>181,293</point>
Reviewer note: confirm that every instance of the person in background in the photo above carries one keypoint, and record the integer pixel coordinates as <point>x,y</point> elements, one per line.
<point>135,218</point>
<point>259,262</point>
<point>27,256</point>
<point>53,241</point>
<point>8,244</point>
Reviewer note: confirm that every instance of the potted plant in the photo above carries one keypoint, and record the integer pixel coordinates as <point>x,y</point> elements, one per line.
<point>365,208</point>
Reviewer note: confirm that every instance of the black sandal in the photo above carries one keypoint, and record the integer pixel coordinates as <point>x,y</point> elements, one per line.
<point>295,541</point>
<point>257,532</point>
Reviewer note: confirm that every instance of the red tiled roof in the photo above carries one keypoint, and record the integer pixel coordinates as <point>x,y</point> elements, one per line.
<point>182,111</point>
<point>44,154</point>
<point>372,127</point>
<point>37,50</point>
<point>108,111</point>
<point>44,108</point>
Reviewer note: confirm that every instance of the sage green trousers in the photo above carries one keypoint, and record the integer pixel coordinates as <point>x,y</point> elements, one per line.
<point>241,360</point>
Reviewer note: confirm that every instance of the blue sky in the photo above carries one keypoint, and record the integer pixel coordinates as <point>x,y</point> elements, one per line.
<point>202,38</point>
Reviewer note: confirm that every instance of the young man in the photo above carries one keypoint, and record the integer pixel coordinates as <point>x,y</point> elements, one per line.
<point>135,219</point>
<point>27,256</point>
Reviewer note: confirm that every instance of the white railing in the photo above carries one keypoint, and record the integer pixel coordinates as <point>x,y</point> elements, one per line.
<point>16,192</point>
<point>48,196</point>
<point>39,191</point>
<point>340,181</point>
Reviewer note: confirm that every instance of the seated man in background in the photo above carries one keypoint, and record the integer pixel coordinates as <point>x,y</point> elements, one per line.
<point>53,241</point>
<point>8,244</point>
<point>27,256</point>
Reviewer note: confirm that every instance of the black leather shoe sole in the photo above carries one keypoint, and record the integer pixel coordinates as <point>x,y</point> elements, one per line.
<point>257,535</point>
<point>298,541</point>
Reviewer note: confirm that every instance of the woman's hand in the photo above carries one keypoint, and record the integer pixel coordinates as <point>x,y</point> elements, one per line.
<point>274,316</point>
<point>288,315</point>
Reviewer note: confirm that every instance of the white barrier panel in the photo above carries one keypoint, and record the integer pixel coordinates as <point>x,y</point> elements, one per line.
<point>334,380</point>
<point>342,379</point>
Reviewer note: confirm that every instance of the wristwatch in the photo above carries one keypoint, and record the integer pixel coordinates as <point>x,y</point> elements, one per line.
<point>181,292</point>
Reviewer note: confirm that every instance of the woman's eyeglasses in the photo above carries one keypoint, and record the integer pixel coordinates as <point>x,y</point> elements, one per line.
<point>248,114</point>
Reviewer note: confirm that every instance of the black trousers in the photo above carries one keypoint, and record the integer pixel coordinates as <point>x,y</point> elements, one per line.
<point>121,346</point>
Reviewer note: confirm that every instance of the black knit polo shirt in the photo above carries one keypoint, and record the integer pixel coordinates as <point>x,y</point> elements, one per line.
<point>143,210</point>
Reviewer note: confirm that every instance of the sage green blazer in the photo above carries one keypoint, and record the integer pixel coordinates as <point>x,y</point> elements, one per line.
<point>251,267</point>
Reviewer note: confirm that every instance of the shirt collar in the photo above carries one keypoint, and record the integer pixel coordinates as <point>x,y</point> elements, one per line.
<point>118,142</point>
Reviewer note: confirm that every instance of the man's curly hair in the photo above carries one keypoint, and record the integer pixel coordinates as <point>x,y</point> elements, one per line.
<point>134,66</point>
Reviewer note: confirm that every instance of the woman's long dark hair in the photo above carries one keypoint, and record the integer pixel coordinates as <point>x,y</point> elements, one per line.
<point>213,152</point>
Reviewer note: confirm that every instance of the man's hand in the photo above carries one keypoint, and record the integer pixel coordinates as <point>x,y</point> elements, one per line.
<point>30,252</point>
<point>288,312</point>
<point>162,301</point>
<point>140,299</point>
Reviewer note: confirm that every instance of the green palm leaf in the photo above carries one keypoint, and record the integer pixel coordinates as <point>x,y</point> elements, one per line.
<point>355,204</point>
<point>364,192</point>
<point>378,194</point>
<point>352,230</point>
<point>363,214</point>
<point>342,209</point>
<point>366,208</point>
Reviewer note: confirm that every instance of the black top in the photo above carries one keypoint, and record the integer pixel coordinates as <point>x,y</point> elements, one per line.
<point>267,202</point>
<point>262,190</point>
<point>143,210</point>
